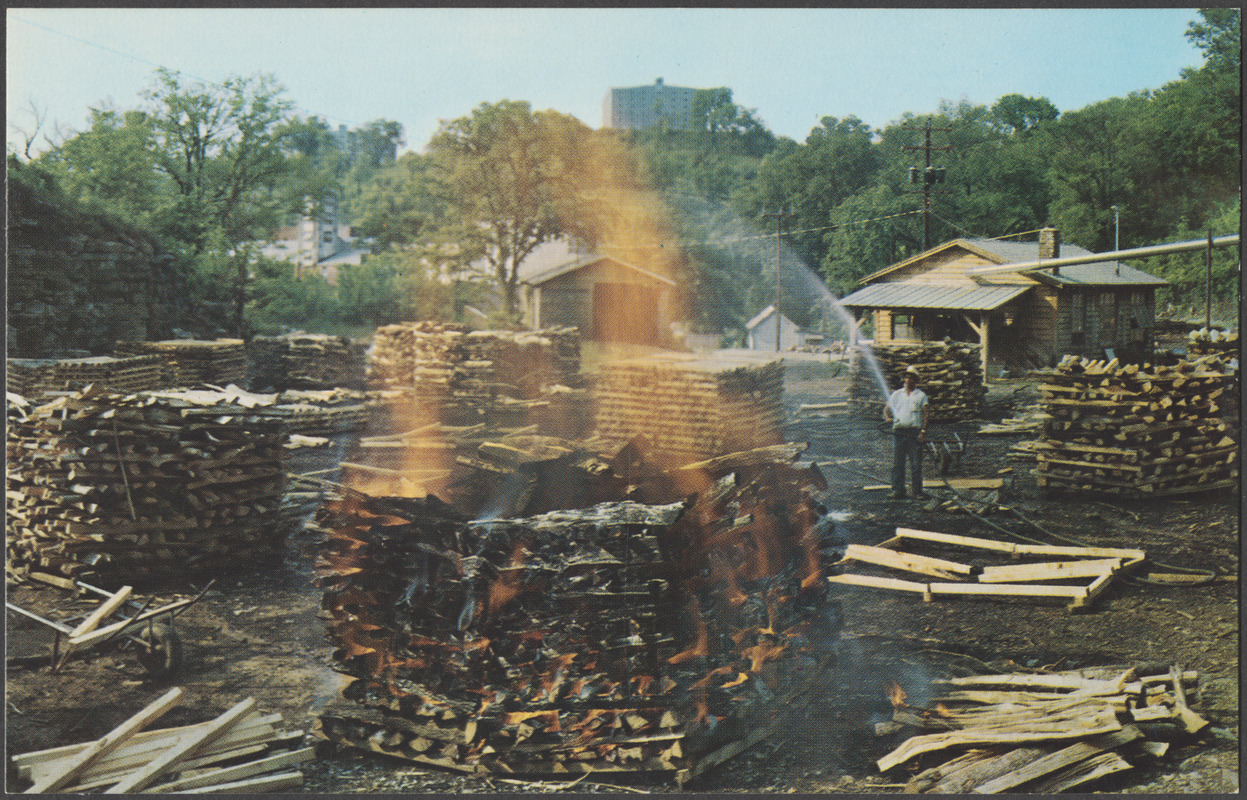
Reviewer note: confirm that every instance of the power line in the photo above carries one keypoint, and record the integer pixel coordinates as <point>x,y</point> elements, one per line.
<point>763,236</point>
<point>132,57</point>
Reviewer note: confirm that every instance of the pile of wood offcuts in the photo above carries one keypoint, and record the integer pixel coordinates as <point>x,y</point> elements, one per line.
<point>138,488</point>
<point>950,373</point>
<point>1139,431</point>
<point>1043,732</point>
<point>306,361</point>
<point>1205,342</point>
<point>690,408</point>
<point>35,377</point>
<point>660,631</point>
<point>194,361</point>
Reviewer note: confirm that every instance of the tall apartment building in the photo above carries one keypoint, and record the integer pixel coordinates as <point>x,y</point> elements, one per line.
<point>637,107</point>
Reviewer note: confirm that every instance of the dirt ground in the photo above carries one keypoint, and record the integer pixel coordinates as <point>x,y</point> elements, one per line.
<point>259,632</point>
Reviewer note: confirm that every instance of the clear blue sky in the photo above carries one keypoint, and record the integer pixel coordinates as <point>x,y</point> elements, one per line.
<point>419,66</point>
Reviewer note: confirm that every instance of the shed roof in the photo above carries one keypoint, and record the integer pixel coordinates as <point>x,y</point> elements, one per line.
<point>923,295</point>
<point>1099,273</point>
<point>763,315</point>
<point>549,272</point>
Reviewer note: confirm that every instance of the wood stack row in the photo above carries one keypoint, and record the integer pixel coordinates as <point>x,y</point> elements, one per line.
<point>1205,342</point>
<point>318,411</point>
<point>306,361</point>
<point>621,636</point>
<point>36,377</point>
<point>241,751</point>
<point>949,372</point>
<point>1043,733</point>
<point>195,361</point>
<point>1136,430</point>
<point>142,488</point>
<point>691,409</point>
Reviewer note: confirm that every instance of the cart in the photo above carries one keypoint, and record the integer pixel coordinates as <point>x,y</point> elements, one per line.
<point>119,618</point>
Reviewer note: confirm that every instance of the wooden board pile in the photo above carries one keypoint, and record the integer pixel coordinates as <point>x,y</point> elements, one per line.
<point>1204,342</point>
<point>140,488</point>
<point>951,374</point>
<point>1044,732</point>
<point>36,377</point>
<point>306,361</point>
<point>241,751</point>
<point>621,636</point>
<point>194,361</point>
<point>1084,572</point>
<point>318,411</point>
<point>1139,431</point>
<point>689,408</point>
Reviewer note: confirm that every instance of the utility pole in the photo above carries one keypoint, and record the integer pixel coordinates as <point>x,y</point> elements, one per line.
<point>930,175</point>
<point>1208,283</point>
<point>779,216</point>
<point>1116,235</point>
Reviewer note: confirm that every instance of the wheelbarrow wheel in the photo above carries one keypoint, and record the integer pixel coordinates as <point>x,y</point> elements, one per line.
<point>159,651</point>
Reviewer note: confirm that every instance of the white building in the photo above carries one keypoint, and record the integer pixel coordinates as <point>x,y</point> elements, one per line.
<point>760,332</point>
<point>638,107</point>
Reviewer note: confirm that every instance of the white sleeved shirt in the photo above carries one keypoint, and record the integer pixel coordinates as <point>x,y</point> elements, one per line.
<point>907,408</point>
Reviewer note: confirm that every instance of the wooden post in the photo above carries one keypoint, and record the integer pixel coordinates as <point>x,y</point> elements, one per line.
<point>983,341</point>
<point>1208,283</point>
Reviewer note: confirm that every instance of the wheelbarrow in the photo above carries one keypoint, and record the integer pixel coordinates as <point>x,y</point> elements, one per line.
<point>119,618</point>
<point>947,453</point>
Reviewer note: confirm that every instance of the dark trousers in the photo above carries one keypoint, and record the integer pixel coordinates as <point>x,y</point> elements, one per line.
<point>905,445</point>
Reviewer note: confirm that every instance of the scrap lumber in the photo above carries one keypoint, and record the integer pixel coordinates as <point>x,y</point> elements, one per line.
<point>1139,431</point>
<point>1105,698</point>
<point>306,361</point>
<point>190,362</point>
<point>950,373</point>
<point>130,759</point>
<point>924,565</point>
<point>946,483</point>
<point>134,488</point>
<point>36,378</point>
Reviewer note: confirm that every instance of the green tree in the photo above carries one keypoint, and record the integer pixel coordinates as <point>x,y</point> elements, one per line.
<point>399,203</point>
<point>1015,113</point>
<point>510,178</point>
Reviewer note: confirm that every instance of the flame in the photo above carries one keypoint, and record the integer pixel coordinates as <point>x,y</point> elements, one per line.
<point>761,653</point>
<point>944,711</point>
<point>701,645</point>
<point>510,581</point>
<point>896,694</point>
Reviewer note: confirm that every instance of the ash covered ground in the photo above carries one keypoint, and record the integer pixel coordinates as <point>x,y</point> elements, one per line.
<point>259,632</point>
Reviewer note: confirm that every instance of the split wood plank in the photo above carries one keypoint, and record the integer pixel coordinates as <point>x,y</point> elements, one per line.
<point>1037,681</point>
<point>110,742</point>
<point>1193,722</point>
<point>929,778</point>
<point>265,783</point>
<point>962,780</point>
<point>1082,772</point>
<point>1052,570</point>
<point>946,483</point>
<point>1097,588</point>
<point>881,583</point>
<point>1008,589</point>
<point>924,565</point>
<point>1067,756</point>
<point>214,757</point>
<point>1021,549</point>
<point>107,607</point>
<point>227,774</point>
<point>186,747</point>
<point>99,634</point>
<point>1102,722</point>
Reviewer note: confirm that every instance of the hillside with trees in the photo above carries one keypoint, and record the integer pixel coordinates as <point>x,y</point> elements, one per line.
<point>211,171</point>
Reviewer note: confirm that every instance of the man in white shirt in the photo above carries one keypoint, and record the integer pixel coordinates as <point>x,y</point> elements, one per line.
<point>908,410</point>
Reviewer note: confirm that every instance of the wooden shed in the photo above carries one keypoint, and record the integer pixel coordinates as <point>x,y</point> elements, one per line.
<point>1022,319</point>
<point>606,298</point>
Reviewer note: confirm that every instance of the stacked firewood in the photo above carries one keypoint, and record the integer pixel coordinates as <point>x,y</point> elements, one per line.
<point>1205,341</point>
<point>33,378</point>
<point>949,372</point>
<point>241,751</point>
<point>318,412</point>
<point>306,361</point>
<point>620,636</point>
<point>194,361</point>
<point>1042,733</point>
<point>140,488</point>
<point>691,408</point>
<point>1139,430</point>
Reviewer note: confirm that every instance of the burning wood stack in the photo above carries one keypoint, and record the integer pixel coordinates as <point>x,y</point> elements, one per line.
<point>1139,431</point>
<point>1043,733</point>
<point>689,408</point>
<point>951,374</point>
<point>312,361</point>
<point>36,377</point>
<point>194,361</point>
<point>624,636</point>
<point>1204,342</point>
<point>141,488</point>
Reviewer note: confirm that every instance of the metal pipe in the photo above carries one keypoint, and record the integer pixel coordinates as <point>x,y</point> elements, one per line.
<point>1094,258</point>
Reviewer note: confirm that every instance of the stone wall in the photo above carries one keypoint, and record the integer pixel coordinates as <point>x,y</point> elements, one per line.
<point>79,281</point>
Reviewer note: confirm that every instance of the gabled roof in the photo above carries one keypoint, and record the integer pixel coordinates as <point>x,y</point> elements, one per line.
<point>536,278</point>
<point>900,294</point>
<point>763,315</point>
<point>997,251</point>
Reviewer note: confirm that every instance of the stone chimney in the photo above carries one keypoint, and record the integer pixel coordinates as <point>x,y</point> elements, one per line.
<point>1049,243</point>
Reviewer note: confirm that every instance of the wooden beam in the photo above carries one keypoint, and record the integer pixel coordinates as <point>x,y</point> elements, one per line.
<point>1079,751</point>
<point>109,743</point>
<point>881,583</point>
<point>1008,589</point>
<point>1049,571</point>
<point>239,771</point>
<point>946,483</point>
<point>107,607</point>
<point>265,783</point>
<point>186,747</point>
<point>99,634</point>
<point>924,565</point>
